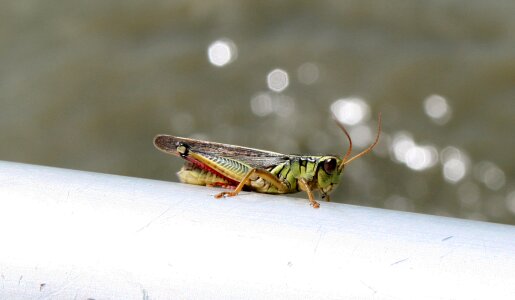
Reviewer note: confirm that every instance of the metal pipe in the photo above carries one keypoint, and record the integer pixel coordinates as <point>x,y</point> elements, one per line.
<point>69,234</point>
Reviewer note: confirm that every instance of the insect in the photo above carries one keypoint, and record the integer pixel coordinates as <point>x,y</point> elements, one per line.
<point>238,168</point>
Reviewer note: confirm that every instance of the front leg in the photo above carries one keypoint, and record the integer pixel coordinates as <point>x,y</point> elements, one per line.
<point>305,187</point>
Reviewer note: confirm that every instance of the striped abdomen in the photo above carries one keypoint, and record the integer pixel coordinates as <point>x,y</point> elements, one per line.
<point>212,170</point>
<point>191,174</point>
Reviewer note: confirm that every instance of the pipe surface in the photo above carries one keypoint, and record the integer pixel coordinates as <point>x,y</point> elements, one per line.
<point>69,234</point>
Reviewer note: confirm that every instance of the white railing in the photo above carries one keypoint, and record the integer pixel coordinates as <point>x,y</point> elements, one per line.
<point>69,234</point>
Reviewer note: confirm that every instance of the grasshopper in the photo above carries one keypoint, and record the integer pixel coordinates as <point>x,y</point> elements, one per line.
<point>238,168</point>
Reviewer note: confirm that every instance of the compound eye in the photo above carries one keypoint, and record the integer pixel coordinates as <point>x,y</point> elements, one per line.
<point>330,165</point>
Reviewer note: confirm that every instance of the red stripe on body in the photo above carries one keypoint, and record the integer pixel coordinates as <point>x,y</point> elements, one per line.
<point>211,170</point>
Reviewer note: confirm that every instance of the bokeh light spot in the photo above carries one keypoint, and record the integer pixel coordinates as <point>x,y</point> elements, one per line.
<point>490,174</point>
<point>350,111</point>
<point>454,170</point>
<point>398,203</point>
<point>361,136</point>
<point>261,105</point>
<point>421,157</point>
<point>437,108</point>
<point>455,164</point>
<point>266,103</point>
<point>277,80</point>
<point>402,142</point>
<point>222,52</point>
<point>469,195</point>
<point>415,157</point>
<point>308,73</point>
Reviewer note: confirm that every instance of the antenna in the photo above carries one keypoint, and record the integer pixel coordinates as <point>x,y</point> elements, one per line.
<point>346,160</point>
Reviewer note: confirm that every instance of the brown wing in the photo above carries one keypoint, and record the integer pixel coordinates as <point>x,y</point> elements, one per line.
<point>253,157</point>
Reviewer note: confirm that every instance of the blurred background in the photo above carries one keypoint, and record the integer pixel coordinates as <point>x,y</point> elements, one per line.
<point>88,84</point>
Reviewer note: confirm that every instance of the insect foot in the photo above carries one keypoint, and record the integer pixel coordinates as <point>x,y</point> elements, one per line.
<point>225,194</point>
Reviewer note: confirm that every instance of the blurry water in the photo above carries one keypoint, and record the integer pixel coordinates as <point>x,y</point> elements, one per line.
<point>86,85</point>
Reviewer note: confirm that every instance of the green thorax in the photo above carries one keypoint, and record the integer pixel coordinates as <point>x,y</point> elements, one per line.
<point>320,172</point>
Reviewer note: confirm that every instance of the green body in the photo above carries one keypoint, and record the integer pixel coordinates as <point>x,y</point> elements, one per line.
<point>289,172</point>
